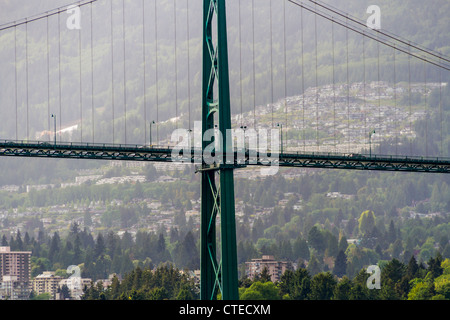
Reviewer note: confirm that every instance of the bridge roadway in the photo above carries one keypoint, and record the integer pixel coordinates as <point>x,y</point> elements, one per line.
<point>128,152</point>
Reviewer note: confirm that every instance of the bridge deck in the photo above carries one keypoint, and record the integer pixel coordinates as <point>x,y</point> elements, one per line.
<point>127,152</point>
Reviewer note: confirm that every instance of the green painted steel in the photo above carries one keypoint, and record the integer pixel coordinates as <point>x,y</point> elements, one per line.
<point>216,276</point>
<point>227,206</point>
<point>209,208</point>
<point>105,151</point>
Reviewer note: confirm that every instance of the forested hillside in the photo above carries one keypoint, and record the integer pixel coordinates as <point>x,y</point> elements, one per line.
<point>417,21</point>
<point>329,225</point>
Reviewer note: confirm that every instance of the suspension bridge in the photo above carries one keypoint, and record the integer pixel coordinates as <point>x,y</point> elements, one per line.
<point>135,68</point>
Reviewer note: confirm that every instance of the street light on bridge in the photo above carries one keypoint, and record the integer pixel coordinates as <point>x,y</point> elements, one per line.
<point>244,128</point>
<point>281,134</point>
<point>54,116</point>
<point>370,142</point>
<point>151,122</point>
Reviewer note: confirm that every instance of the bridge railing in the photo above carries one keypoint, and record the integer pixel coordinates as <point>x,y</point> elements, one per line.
<point>5,143</point>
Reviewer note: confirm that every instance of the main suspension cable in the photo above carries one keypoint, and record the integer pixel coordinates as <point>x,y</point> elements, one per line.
<point>45,15</point>
<point>385,33</point>
<point>388,43</point>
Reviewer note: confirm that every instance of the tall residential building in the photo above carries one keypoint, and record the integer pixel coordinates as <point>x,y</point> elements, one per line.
<point>47,282</point>
<point>15,269</point>
<point>274,267</point>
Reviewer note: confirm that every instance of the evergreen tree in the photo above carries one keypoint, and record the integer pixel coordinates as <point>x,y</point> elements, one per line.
<point>366,221</point>
<point>316,239</point>
<point>397,248</point>
<point>99,249</point>
<point>114,289</point>
<point>185,293</point>
<point>137,278</point>
<point>286,282</point>
<point>19,242</point>
<point>332,245</point>
<point>163,254</point>
<point>391,234</point>
<point>412,268</point>
<point>322,286</point>
<point>343,289</point>
<point>394,270</point>
<point>359,290</point>
<point>55,246</point>
<point>295,284</point>
<point>434,266</point>
<point>446,252</point>
<point>26,240</point>
<point>343,245</point>
<point>340,264</point>
<point>265,275</point>
<point>186,253</point>
<point>65,292</point>
<point>313,265</point>
<point>301,248</point>
<point>4,242</point>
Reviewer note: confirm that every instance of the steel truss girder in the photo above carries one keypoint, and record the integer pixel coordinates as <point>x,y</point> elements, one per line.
<point>164,154</point>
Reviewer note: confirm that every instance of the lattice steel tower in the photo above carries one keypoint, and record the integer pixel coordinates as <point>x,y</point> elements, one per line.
<point>217,198</point>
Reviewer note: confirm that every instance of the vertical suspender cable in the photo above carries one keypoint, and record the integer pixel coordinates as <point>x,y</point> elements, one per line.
<point>27,84</point>
<point>395,105</point>
<point>426,108</point>
<point>112,73</point>
<point>254,72</point>
<point>271,59</point>
<point>285,77</point>
<point>240,60</point>
<point>379,90</point>
<point>303,79</point>
<point>15,79</point>
<point>59,74</point>
<point>409,101</point>
<point>156,71</point>
<point>316,82</point>
<point>144,59</point>
<point>348,94</point>
<point>440,108</point>
<point>124,70</point>
<point>81,88</point>
<point>188,63</point>
<point>176,62</point>
<point>334,85</point>
<point>92,78</point>
<point>364,85</point>
<point>48,80</point>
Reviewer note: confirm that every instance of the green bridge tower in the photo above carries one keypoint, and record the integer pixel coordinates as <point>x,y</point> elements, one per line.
<point>217,275</point>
